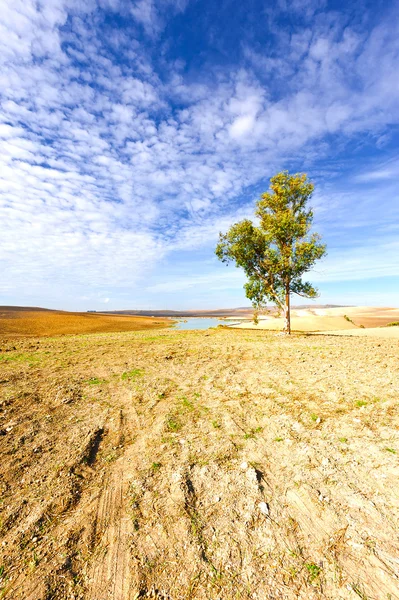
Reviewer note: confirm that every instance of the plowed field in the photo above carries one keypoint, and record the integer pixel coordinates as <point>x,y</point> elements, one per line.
<point>208,465</point>
<point>26,322</point>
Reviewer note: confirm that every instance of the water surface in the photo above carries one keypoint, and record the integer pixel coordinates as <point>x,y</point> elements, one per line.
<point>202,322</point>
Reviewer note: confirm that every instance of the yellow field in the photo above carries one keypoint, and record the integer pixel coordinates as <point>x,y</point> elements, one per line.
<point>15,322</point>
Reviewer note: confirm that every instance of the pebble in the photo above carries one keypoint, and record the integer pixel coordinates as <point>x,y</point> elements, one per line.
<point>244,466</point>
<point>251,475</point>
<point>264,508</point>
<point>325,462</point>
<point>324,498</point>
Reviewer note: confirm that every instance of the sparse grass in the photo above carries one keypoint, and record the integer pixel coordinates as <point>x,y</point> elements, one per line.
<point>216,424</point>
<point>251,434</point>
<point>392,450</point>
<point>29,357</point>
<point>96,381</point>
<point>33,563</point>
<point>187,404</point>
<point>132,374</point>
<point>344,440</point>
<point>393,324</point>
<point>360,403</point>
<point>111,457</point>
<point>313,571</point>
<point>357,588</point>
<point>173,424</point>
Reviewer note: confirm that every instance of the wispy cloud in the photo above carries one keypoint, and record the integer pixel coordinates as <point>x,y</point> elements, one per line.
<point>114,156</point>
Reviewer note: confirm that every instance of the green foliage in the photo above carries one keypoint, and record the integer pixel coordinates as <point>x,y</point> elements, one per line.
<point>393,324</point>
<point>275,255</point>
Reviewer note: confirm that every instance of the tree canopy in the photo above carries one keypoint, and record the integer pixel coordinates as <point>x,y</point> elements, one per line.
<point>275,254</point>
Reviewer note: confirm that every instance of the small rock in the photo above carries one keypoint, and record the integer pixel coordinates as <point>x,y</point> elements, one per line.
<point>217,498</point>
<point>244,466</point>
<point>251,474</point>
<point>325,462</point>
<point>264,508</point>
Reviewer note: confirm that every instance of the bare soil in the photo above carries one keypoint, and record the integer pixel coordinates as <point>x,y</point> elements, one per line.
<point>39,322</point>
<point>218,464</point>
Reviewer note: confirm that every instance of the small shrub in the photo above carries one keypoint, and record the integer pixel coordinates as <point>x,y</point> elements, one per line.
<point>393,324</point>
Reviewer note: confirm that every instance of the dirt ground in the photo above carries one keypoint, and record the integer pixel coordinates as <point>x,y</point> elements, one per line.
<point>210,465</point>
<point>16,321</point>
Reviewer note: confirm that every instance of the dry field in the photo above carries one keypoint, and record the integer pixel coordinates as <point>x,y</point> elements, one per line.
<point>16,321</point>
<point>346,320</point>
<point>212,465</point>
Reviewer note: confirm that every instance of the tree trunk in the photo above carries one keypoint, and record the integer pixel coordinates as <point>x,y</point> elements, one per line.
<point>287,313</point>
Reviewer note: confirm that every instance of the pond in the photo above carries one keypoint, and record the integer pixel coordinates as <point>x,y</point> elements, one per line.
<point>202,322</point>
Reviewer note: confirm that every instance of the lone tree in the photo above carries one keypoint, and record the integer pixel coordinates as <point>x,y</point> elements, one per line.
<point>276,254</point>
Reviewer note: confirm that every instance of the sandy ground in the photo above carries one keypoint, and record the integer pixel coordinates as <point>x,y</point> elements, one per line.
<point>203,465</point>
<point>345,320</point>
<point>375,332</point>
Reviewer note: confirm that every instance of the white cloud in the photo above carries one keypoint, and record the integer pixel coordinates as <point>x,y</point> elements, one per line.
<point>242,126</point>
<point>106,166</point>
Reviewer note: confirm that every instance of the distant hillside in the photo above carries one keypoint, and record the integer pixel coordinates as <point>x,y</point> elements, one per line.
<point>21,308</point>
<point>218,312</point>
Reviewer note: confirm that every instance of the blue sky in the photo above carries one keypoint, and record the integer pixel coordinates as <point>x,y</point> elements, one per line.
<point>132,132</point>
